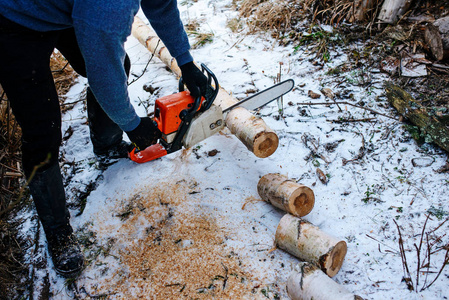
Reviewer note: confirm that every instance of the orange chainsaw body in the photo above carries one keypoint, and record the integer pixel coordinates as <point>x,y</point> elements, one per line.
<point>173,115</point>
<point>167,111</point>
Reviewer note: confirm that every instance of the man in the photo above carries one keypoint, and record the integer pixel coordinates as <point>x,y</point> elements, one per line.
<point>91,35</point>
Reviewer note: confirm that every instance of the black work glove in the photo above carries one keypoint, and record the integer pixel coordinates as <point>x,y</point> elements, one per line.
<point>194,79</point>
<point>144,135</point>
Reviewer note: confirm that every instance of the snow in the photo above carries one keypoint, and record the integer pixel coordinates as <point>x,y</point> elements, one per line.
<point>222,189</point>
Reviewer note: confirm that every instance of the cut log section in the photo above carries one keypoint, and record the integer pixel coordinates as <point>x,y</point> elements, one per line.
<point>252,131</point>
<point>393,10</point>
<point>307,242</point>
<point>286,194</point>
<point>308,282</point>
<point>430,127</point>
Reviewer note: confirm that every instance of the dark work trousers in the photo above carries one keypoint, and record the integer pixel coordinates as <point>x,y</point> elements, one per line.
<point>26,78</point>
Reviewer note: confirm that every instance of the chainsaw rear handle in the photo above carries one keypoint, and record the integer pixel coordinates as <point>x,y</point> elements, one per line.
<point>211,92</point>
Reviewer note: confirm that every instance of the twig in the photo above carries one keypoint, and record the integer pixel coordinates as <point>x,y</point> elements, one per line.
<point>145,69</point>
<point>225,277</point>
<point>62,69</point>
<point>351,120</point>
<point>351,104</point>
<point>445,262</point>
<point>71,103</point>
<point>408,279</point>
<point>418,249</point>
<point>381,243</point>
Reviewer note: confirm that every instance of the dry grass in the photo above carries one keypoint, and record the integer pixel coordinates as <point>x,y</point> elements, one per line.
<point>282,16</point>
<point>12,273</point>
<point>266,15</point>
<point>11,270</point>
<point>63,75</point>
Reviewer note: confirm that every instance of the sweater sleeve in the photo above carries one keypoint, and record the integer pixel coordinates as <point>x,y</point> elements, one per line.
<point>164,18</point>
<point>101,33</point>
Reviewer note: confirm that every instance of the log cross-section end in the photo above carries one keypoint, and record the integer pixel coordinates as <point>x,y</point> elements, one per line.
<point>332,261</point>
<point>302,200</point>
<point>286,194</point>
<point>253,132</point>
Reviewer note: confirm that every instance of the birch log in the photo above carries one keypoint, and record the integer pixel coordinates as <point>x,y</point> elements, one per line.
<point>392,10</point>
<point>286,194</point>
<point>307,242</point>
<point>252,131</point>
<point>308,282</point>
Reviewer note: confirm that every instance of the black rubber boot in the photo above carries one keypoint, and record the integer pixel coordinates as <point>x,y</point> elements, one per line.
<point>47,190</point>
<point>65,252</point>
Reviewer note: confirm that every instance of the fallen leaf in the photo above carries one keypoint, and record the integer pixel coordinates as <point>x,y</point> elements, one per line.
<point>314,95</point>
<point>321,176</point>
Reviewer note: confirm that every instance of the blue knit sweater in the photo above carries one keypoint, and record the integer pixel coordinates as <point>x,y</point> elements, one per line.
<point>101,28</point>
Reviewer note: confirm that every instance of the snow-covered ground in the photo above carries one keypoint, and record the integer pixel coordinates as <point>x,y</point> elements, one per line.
<point>192,225</point>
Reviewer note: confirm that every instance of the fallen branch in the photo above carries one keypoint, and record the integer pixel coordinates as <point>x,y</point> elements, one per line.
<point>430,126</point>
<point>348,103</point>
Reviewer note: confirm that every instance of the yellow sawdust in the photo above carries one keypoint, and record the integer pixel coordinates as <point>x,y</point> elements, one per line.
<point>182,255</point>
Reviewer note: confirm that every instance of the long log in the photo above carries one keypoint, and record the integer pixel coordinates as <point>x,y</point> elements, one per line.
<point>392,10</point>
<point>253,132</point>
<point>308,282</point>
<point>286,194</point>
<point>429,125</point>
<point>307,242</point>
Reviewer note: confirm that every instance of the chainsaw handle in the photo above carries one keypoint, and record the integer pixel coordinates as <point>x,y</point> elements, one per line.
<point>210,93</point>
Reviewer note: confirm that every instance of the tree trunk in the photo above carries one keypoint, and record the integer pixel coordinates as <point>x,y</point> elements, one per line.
<point>360,10</point>
<point>429,126</point>
<point>286,194</point>
<point>308,282</point>
<point>392,10</point>
<point>309,243</point>
<point>252,131</point>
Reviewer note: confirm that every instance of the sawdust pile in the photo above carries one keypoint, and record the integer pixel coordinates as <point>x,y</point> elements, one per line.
<point>180,252</point>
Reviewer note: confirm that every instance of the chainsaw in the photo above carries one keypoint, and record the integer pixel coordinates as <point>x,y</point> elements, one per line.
<point>185,121</point>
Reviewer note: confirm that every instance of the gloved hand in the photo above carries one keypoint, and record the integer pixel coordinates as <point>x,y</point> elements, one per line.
<point>144,135</point>
<point>194,79</point>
